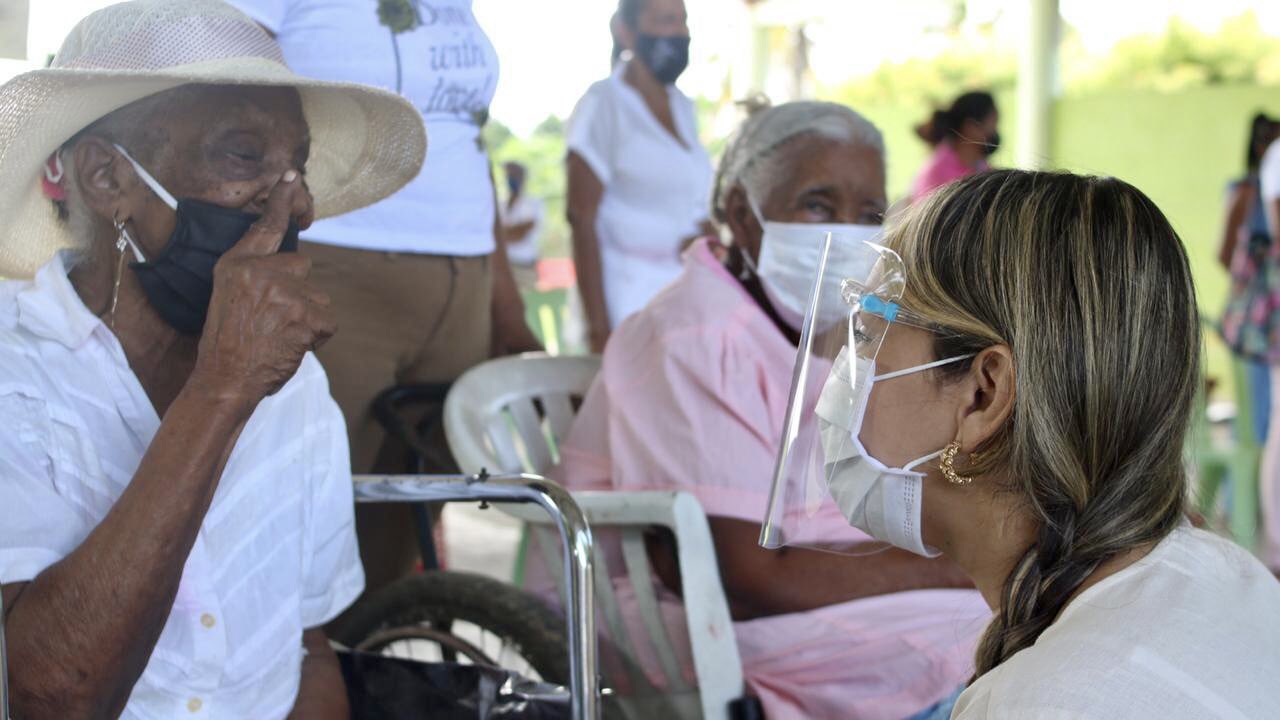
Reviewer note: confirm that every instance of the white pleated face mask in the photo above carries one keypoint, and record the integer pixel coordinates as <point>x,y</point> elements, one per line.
<point>789,257</point>
<point>884,502</point>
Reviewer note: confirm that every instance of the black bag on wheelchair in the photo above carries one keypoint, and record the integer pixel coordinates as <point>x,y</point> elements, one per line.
<point>390,688</point>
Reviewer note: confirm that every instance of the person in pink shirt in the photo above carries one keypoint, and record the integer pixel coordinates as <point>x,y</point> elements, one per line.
<point>962,137</point>
<point>692,395</point>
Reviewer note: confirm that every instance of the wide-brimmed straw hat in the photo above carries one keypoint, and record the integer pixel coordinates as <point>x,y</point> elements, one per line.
<point>366,143</point>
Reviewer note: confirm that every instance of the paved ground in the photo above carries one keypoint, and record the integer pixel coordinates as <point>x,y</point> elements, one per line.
<point>480,541</point>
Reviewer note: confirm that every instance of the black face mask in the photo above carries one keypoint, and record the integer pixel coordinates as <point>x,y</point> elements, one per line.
<point>993,144</point>
<point>666,56</point>
<point>179,281</point>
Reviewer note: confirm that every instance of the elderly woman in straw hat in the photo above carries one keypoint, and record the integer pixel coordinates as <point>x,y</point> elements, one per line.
<point>176,494</point>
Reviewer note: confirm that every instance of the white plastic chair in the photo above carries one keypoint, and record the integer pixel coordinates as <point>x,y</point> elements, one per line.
<point>493,423</point>
<point>492,418</point>
<point>714,646</point>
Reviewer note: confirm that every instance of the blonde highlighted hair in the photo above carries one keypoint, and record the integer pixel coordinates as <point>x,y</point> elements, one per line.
<point>1086,282</point>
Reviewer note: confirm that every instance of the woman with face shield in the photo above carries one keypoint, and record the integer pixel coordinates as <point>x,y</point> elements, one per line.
<point>1013,391</point>
<point>692,396</point>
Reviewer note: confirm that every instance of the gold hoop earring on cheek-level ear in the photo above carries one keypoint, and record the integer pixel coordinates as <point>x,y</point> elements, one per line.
<point>949,466</point>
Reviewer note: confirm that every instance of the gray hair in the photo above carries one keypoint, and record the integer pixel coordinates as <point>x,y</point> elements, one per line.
<point>751,158</point>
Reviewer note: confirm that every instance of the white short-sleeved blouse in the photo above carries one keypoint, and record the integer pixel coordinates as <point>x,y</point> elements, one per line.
<point>656,188</point>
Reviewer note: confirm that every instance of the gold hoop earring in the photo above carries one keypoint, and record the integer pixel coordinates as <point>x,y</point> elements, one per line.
<point>949,466</point>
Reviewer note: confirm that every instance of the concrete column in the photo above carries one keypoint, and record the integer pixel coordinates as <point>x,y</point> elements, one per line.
<point>759,52</point>
<point>1037,84</point>
<point>798,72</point>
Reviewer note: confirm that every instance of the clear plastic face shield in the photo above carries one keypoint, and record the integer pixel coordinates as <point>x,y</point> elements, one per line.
<point>829,491</point>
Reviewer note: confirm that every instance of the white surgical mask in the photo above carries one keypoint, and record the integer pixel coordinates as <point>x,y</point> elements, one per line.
<point>789,257</point>
<point>882,501</point>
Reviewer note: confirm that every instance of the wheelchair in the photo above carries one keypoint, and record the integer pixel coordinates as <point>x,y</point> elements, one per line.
<point>449,616</point>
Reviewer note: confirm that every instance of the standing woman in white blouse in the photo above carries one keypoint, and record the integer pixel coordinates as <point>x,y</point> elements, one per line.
<point>639,180</point>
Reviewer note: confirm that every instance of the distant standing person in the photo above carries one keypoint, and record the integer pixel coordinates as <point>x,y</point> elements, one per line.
<point>1269,185</point>
<point>962,137</point>
<point>1250,326</point>
<point>639,179</point>
<point>521,217</point>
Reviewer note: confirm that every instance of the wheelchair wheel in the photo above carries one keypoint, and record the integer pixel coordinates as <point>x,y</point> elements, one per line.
<point>461,617</point>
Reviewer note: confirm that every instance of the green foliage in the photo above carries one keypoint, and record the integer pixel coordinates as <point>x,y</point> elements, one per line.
<point>1183,57</point>
<point>495,134</point>
<point>542,154</point>
<point>550,126</point>
<point>899,96</point>
<point>933,80</point>
<point>706,111</point>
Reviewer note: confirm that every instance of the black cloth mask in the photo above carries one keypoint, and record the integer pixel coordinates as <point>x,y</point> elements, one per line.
<point>992,145</point>
<point>179,281</point>
<point>666,56</point>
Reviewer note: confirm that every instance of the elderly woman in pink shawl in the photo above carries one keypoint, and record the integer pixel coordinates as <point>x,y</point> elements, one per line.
<point>692,395</point>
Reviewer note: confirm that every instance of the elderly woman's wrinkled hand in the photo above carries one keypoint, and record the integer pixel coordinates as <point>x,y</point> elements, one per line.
<point>265,315</point>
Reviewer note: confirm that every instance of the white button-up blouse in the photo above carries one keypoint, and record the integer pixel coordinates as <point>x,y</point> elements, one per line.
<point>276,553</point>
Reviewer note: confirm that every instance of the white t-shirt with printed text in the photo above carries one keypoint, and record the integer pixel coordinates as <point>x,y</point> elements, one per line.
<point>448,69</point>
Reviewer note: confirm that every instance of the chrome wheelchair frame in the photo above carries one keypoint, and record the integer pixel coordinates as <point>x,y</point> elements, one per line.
<point>575,537</point>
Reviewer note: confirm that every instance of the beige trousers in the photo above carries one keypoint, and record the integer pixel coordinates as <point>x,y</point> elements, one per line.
<point>402,318</point>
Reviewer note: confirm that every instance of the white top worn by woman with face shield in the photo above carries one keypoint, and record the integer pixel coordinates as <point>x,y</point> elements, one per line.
<point>1116,646</point>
